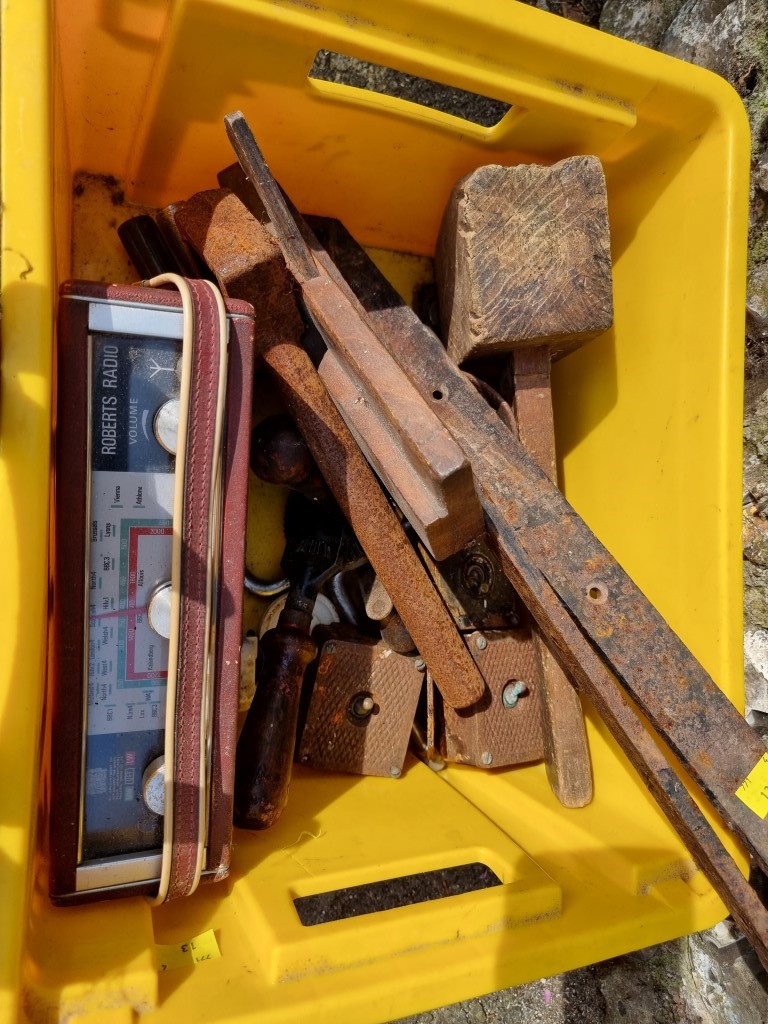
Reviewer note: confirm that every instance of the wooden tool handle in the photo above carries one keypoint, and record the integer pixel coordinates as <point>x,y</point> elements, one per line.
<point>265,748</point>
<point>565,737</point>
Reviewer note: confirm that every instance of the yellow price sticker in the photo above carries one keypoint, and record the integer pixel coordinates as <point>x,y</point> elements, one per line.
<point>187,954</point>
<point>754,789</point>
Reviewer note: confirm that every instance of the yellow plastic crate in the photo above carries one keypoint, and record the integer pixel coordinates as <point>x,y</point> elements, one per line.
<point>648,430</point>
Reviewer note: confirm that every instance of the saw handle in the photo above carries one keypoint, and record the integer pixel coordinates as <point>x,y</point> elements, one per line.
<point>265,749</point>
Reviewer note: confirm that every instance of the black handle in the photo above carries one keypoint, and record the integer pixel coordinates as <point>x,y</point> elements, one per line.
<point>265,748</point>
<point>147,248</point>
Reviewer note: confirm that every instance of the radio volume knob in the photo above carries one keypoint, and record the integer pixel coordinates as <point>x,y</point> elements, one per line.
<point>166,425</point>
<point>153,785</point>
<point>159,610</point>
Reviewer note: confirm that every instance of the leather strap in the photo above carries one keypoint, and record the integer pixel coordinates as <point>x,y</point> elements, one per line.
<point>196,598</point>
<point>230,613</point>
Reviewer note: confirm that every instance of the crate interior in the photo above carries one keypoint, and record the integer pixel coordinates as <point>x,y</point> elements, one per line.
<point>647,419</point>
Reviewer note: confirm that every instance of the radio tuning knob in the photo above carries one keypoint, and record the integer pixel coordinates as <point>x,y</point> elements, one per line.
<point>159,610</point>
<point>166,425</point>
<point>153,785</point>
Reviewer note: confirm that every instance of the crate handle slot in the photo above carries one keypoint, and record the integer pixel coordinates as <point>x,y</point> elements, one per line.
<point>353,73</point>
<point>340,904</point>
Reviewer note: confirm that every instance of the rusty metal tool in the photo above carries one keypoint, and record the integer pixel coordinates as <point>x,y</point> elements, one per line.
<point>319,545</point>
<point>523,266</point>
<point>505,727</point>
<point>418,460</point>
<point>475,589</point>
<point>228,244</point>
<point>280,455</point>
<point>595,620</point>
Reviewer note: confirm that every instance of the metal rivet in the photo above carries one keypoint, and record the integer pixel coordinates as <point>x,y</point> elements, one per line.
<point>477,575</point>
<point>419,664</point>
<point>487,757</point>
<point>394,771</point>
<point>512,692</point>
<point>481,643</point>
<point>362,705</point>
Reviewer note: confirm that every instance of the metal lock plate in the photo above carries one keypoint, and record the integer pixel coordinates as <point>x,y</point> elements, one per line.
<point>504,727</point>
<point>473,586</point>
<point>362,709</point>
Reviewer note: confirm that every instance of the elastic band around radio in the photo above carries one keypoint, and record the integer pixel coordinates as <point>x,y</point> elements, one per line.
<point>206,697</point>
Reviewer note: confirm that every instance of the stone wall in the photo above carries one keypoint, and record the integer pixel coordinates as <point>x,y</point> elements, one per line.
<point>730,37</point>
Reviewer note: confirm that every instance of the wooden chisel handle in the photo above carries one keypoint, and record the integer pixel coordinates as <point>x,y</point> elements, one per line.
<point>265,749</point>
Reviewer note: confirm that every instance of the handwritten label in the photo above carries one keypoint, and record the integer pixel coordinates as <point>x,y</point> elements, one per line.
<point>754,789</point>
<point>187,954</point>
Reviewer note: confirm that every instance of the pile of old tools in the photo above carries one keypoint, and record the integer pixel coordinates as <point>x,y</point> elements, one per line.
<point>436,495</point>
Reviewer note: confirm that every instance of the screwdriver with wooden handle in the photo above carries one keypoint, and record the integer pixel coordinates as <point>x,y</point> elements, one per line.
<point>318,545</point>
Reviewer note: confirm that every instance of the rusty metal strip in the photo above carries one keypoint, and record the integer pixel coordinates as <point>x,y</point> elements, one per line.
<point>614,708</point>
<point>375,523</point>
<point>681,701</point>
